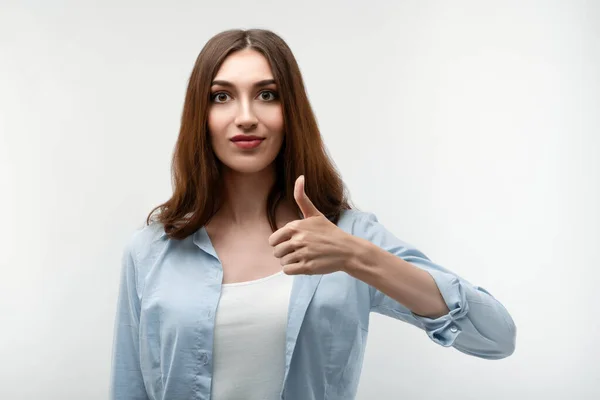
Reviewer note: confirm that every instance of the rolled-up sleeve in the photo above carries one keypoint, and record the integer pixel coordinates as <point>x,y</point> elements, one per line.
<point>126,378</point>
<point>477,324</point>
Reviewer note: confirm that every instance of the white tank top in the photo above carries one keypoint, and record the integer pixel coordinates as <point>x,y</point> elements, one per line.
<point>249,339</point>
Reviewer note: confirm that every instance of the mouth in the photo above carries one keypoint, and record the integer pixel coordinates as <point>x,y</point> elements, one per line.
<point>245,138</point>
<point>247,141</point>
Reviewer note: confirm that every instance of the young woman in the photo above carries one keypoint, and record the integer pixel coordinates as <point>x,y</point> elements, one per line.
<point>256,278</point>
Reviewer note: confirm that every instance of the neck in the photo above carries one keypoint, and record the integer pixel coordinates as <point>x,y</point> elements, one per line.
<point>245,200</point>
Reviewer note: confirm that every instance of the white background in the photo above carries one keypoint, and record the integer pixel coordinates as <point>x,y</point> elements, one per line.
<point>470,128</point>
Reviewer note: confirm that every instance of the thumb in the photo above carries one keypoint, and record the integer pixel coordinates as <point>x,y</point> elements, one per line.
<point>306,206</point>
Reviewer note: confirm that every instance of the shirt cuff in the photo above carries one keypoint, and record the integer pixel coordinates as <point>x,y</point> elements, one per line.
<point>445,329</point>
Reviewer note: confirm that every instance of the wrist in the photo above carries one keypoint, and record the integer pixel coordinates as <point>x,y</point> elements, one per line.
<point>361,253</point>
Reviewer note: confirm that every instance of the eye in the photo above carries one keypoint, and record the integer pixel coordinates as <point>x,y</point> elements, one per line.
<point>219,97</point>
<point>271,95</point>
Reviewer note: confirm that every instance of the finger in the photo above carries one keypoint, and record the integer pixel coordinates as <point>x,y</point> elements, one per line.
<point>280,236</point>
<point>284,248</point>
<point>297,269</point>
<point>293,257</point>
<point>307,208</point>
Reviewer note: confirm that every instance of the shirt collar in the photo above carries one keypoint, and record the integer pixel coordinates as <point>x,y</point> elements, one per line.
<point>200,239</point>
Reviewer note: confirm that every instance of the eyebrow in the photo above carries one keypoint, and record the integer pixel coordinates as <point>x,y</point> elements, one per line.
<point>264,82</point>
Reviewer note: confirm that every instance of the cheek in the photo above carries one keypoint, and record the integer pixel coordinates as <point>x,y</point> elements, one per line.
<point>217,121</point>
<point>273,119</point>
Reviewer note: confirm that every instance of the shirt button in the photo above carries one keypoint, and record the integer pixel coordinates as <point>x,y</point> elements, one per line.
<point>453,329</point>
<point>204,358</point>
<point>209,314</point>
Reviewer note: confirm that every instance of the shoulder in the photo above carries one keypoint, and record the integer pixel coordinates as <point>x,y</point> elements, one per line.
<point>143,248</point>
<point>366,225</point>
<point>144,240</point>
<point>358,222</point>
<point>355,216</point>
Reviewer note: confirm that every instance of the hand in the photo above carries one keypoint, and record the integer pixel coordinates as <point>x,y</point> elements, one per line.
<point>313,245</point>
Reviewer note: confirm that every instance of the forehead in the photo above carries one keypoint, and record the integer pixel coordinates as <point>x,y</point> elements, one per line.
<point>244,67</point>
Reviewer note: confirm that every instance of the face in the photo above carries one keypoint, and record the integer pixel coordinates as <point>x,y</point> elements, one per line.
<point>245,118</point>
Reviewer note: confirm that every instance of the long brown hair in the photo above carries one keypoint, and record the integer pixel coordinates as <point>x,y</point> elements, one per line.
<point>197,184</point>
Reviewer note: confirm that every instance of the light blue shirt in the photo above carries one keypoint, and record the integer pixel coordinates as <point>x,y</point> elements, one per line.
<point>168,298</point>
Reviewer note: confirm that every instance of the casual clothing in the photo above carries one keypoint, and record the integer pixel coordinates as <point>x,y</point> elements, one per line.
<point>249,339</point>
<point>164,346</point>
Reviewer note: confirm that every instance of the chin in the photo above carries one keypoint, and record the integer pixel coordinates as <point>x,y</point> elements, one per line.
<point>248,166</point>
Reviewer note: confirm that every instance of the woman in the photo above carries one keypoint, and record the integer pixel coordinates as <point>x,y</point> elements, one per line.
<point>256,279</point>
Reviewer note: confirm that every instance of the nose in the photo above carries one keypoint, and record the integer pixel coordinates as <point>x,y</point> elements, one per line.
<point>246,118</point>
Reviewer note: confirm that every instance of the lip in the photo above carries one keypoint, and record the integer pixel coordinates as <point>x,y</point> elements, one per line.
<point>239,138</point>
<point>247,141</point>
<point>245,138</point>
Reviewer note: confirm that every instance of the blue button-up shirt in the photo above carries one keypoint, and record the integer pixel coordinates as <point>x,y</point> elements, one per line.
<point>163,344</point>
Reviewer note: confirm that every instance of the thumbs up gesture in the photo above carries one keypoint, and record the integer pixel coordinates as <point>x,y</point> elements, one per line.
<point>313,245</point>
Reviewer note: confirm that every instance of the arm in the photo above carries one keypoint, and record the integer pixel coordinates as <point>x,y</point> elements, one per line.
<point>406,285</point>
<point>404,282</point>
<point>126,377</point>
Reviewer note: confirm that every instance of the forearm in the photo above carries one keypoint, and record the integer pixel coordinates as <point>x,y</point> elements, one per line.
<point>411,286</point>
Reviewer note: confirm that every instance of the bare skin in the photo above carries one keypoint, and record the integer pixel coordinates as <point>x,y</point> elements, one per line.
<point>244,248</point>
<point>245,101</point>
